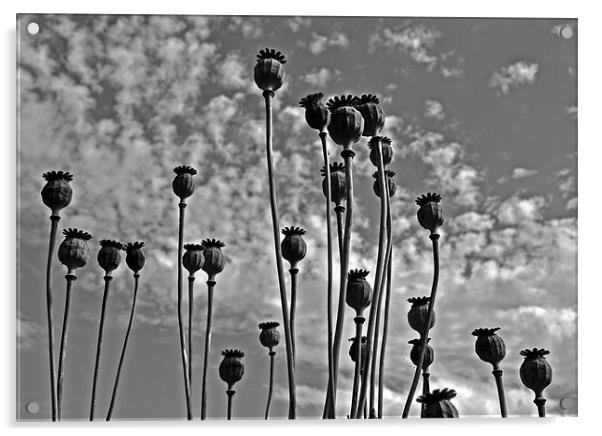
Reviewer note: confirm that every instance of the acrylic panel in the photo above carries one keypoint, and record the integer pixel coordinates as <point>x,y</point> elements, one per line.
<point>451,147</point>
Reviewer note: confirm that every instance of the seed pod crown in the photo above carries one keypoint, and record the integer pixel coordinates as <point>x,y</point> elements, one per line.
<point>269,70</point>
<point>430,197</point>
<point>356,274</point>
<point>233,353</point>
<point>534,353</point>
<point>212,243</point>
<point>51,176</point>
<point>437,395</point>
<point>317,114</point>
<point>184,169</point>
<point>341,101</point>
<point>485,331</point>
<point>419,301</point>
<point>334,167</point>
<point>108,243</point>
<point>134,257</point>
<point>292,231</point>
<point>78,234</point>
<point>271,53</point>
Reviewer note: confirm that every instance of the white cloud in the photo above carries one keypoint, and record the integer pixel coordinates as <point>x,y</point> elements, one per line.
<point>513,75</point>
<point>320,43</point>
<point>296,23</point>
<point>521,173</point>
<point>320,77</point>
<point>233,73</point>
<point>434,109</point>
<point>515,210</point>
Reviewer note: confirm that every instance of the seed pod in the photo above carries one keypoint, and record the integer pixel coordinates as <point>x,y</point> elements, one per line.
<point>374,117</point>
<point>293,246</point>
<point>269,336</point>
<point>346,122</point>
<point>317,114</point>
<point>134,257</point>
<point>437,404</point>
<point>418,314</point>
<point>359,291</point>
<point>386,148</point>
<point>489,346</point>
<point>109,255</point>
<point>390,181</point>
<point>231,369</point>
<point>183,183</point>
<point>338,188</point>
<point>74,251</point>
<point>269,69</point>
<point>353,350</point>
<point>193,258</point>
<point>57,193</point>
<point>535,371</point>
<point>429,354</point>
<point>215,261</point>
<point>430,214</point>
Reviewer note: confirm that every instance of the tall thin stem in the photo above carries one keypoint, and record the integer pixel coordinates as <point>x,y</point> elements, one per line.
<point>348,155</point>
<point>230,393</point>
<point>359,321</point>
<point>124,348</point>
<point>424,335</point>
<point>210,287</point>
<point>182,206</point>
<point>425,389</point>
<point>281,282</point>
<point>54,220</point>
<point>497,373</point>
<point>329,262</point>
<point>63,347</point>
<point>105,297</point>
<point>339,211</point>
<point>380,263</point>
<point>383,345</point>
<point>271,385</point>
<point>294,271</point>
<point>190,316</point>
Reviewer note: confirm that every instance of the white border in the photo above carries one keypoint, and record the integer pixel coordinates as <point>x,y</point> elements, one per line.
<point>589,76</point>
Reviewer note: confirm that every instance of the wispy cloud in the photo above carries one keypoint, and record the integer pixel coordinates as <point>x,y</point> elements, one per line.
<point>318,43</point>
<point>320,77</point>
<point>514,75</point>
<point>522,173</point>
<point>434,109</point>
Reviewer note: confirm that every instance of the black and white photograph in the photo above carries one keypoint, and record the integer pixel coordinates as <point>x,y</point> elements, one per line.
<point>255,217</point>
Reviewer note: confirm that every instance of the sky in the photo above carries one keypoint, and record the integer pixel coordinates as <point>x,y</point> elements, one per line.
<point>483,111</point>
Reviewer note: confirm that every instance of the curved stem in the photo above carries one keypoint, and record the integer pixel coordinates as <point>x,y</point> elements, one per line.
<point>278,252</point>
<point>182,206</point>
<point>497,373</point>
<point>425,389</point>
<point>329,263</point>
<point>294,271</point>
<point>423,337</point>
<point>380,263</point>
<point>210,287</point>
<point>63,347</point>
<point>383,345</point>
<point>190,316</point>
<point>271,385</point>
<point>54,220</point>
<point>124,348</point>
<point>105,297</point>
<point>359,321</point>
<point>230,393</point>
<point>347,154</point>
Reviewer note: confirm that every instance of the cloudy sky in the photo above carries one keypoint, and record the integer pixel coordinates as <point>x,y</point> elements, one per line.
<point>481,110</point>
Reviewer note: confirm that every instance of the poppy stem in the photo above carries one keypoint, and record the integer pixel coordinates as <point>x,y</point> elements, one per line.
<point>230,393</point>
<point>425,389</point>
<point>423,337</point>
<point>541,406</point>
<point>348,155</point>
<point>329,263</point>
<point>294,271</point>
<point>359,321</point>
<point>278,252</point>
<point>380,264</point>
<point>383,345</point>
<point>54,220</point>
<point>182,206</point>
<point>271,385</point>
<point>123,349</point>
<point>210,287</point>
<point>63,347</point>
<point>190,316</point>
<point>497,373</point>
<point>105,297</point>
